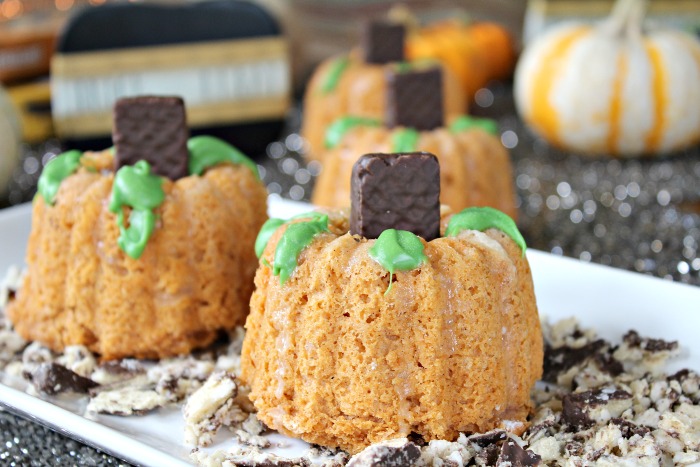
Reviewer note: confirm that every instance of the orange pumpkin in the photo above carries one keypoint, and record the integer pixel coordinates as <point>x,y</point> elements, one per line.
<point>475,52</point>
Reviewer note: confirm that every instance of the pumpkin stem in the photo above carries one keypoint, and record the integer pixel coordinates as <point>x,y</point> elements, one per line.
<point>626,17</point>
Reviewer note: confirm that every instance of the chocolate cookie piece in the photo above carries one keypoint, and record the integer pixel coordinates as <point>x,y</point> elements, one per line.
<point>153,129</point>
<point>396,191</point>
<point>608,364</point>
<point>633,339</point>
<point>52,378</point>
<point>488,455</point>
<point>126,401</point>
<point>578,408</point>
<point>271,463</point>
<point>490,437</point>
<point>629,429</point>
<point>383,42</point>
<point>679,376</point>
<point>560,359</point>
<point>414,99</point>
<point>394,453</point>
<point>515,456</point>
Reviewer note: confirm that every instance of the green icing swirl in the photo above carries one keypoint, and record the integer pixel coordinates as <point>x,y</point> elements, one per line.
<point>57,170</point>
<point>207,151</point>
<point>466,122</point>
<point>483,218</point>
<point>135,187</point>
<point>398,250</point>
<point>337,129</point>
<point>295,238</point>
<point>335,71</point>
<point>271,225</point>
<point>313,215</point>
<point>403,67</point>
<point>266,231</point>
<point>417,64</point>
<point>404,140</point>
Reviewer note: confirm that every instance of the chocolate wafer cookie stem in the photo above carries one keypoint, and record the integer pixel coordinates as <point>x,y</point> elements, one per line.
<point>414,99</point>
<point>396,191</point>
<point>153,129</point>
<point>383,42</point>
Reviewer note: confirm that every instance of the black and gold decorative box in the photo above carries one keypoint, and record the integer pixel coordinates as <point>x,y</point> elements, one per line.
<point>227,59</point>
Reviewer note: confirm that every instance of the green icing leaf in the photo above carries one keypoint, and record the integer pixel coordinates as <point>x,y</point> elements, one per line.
<point>313,215</point>
<point>133,240</point>
<point>337,129</point>
<point>484,218</point>
<point>398,250</point>
<point>465,122</point>
<point>135,187</point>
<point>335,71</point>
<point>317,219</point>
<point>266,231</point>
<point>57,170</point>
<point>404,140</point>
<point>295,238</point>
<point>207,151</point>
<point>403,67</point>
<point>417,64</point>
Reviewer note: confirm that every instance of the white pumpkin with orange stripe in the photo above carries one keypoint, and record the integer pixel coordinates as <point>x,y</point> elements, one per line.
<point>613,88</point>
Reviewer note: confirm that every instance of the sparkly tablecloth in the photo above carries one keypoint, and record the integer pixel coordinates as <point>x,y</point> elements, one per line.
<point>642,215</point>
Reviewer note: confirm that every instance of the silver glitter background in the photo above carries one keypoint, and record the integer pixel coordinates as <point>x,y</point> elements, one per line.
<point>642,215</point>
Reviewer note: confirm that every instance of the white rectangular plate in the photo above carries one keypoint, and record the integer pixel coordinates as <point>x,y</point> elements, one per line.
<point>610,300</point>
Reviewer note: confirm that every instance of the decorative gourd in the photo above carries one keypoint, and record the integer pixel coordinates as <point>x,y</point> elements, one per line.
<point>475,52</point>
<point>614,88</point>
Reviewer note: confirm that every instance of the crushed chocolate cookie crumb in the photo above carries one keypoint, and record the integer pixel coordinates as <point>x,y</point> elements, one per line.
<point>327,457</point>
<point>11,344</point>
<point>126,401</point>
<point>393,453</point>
<point>9,285</point>
<point>515,456</point>
<point>52,378</point>
<point>629,429</point>
<point>79,359</point>
<point>578,408</point>
<point>248,439</point>
<point>488,456</point>
<point>243,456</point>
<point>490,437</point>
<point>633,339</point>
<point>211,407</point>
<point>417,439</point>
<point>559,360</point>
<point>608,364</point>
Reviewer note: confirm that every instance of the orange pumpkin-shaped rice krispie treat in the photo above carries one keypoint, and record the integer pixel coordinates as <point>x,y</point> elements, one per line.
<point>398,319</point>
<point>355,84</point>
<point>145,249</point>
